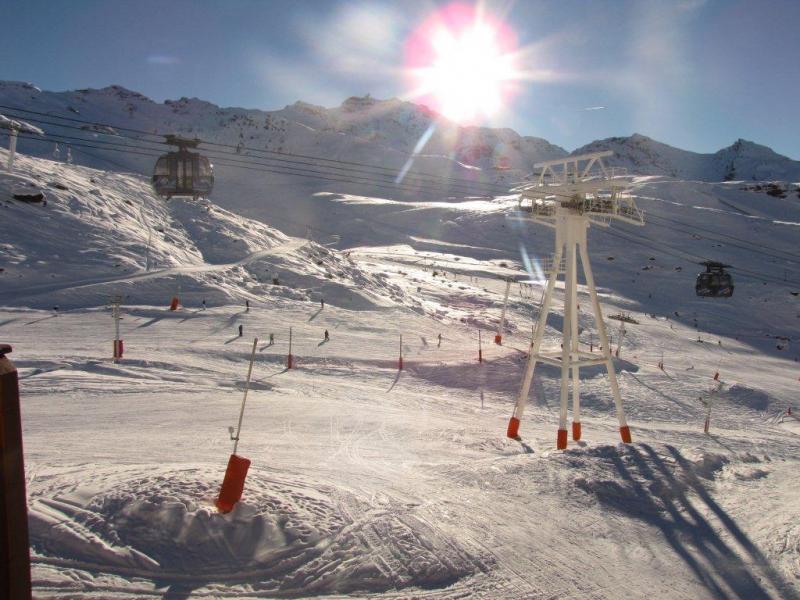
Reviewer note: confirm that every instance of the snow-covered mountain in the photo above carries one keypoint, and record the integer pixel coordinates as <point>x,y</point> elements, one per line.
<point>367,131</point>
<point>739,161</point>
<point>370,131</point>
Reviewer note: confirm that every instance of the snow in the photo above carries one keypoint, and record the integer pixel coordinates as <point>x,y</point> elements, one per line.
<point>372,482</point>
<point>23,126</point>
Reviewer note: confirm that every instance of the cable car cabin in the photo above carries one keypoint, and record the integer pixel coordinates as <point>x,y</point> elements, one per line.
<point>715,282</point>
<point>183,173</point>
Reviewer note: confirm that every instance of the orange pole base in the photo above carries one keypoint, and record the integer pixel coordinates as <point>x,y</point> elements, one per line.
<point>513,428</point>
<point>561,440</point>
<point>625,433</point>
<point>233,484</point>
<point>400,364</point>
<point>480,356</point>
<point>173,305</point>
<point>576,430</point>
<point>289,362</point>
<point>498,339</point>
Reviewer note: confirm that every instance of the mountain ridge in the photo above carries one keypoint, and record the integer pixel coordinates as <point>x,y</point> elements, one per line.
<point>390,131</point>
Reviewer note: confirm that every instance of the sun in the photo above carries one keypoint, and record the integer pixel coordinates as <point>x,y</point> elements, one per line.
<point>462,62</point>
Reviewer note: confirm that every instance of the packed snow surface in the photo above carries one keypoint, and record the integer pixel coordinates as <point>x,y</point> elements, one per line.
<point>368,481</point>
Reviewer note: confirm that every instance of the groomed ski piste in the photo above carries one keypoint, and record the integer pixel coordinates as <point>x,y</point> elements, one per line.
<point>369,481</point>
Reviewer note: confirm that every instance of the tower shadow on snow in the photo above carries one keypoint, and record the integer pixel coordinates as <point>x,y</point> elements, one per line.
<point>658,493</point>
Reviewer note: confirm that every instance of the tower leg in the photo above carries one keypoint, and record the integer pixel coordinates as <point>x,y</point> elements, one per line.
<point>624,430</point>
<point>533,350</point>
<point>566,353</point>
<point>576,394</point>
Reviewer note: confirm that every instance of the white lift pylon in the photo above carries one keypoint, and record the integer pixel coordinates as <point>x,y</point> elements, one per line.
<point>582,191</point>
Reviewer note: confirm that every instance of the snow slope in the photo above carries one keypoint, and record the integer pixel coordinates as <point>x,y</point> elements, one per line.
<point>373,482</point>
<point>102,234</point>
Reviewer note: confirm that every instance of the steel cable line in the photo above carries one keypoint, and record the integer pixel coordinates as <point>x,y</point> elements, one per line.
<point>733,245</point>
<point>692,258</point>
<point>324,175</point>
<point>712,232</point>
<point>333,177</point>
<point>391,171</point>
<point>761,276</point>
<point>408,181</point>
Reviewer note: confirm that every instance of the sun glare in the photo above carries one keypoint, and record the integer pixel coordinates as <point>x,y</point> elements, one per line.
<point>461,62</point>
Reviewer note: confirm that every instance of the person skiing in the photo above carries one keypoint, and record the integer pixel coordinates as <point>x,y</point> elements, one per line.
<point>271,339</point>
<point>322,302</point>
<point>327,336</point>
<point>241,330</point>
<point>439,345</point>
<point>204,303</point>
<point>247,306</point>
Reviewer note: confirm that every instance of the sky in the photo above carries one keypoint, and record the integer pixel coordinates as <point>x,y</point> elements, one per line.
<point>696,74</point>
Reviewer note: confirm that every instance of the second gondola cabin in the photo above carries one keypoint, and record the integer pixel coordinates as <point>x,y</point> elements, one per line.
<point>183,173</point>
<point>715,282</point>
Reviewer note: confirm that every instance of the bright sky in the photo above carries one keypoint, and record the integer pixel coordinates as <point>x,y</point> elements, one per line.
<point>696,74</point>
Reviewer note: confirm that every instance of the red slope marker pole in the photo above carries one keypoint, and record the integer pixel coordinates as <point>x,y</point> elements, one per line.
<point>289,362</point>
<point>480,347</point>
<point>235,474</point>
<point>400,361</point>
<point>15,561</point>
<point>118,345</point>
<point>498,338</point>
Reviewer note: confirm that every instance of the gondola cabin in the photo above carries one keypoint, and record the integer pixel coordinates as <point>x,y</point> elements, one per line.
<point>715,282</point>
<point>183,173</point>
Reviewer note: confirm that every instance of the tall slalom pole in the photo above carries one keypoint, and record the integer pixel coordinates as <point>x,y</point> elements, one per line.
<point>289,361</point>
<point>498,338</point>
<point>236,472</point>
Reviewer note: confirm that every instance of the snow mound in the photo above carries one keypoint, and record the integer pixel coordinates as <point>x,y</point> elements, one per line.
<point>286,535</point>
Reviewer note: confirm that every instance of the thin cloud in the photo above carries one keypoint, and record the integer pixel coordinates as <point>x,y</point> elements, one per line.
<point>163,59</point>
<point>588,108</point>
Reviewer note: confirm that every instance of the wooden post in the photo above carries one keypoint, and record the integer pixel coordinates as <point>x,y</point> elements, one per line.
<point>15,560</point>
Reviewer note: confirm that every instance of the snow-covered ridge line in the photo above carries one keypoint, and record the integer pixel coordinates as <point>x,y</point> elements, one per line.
<point>393,126</point>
